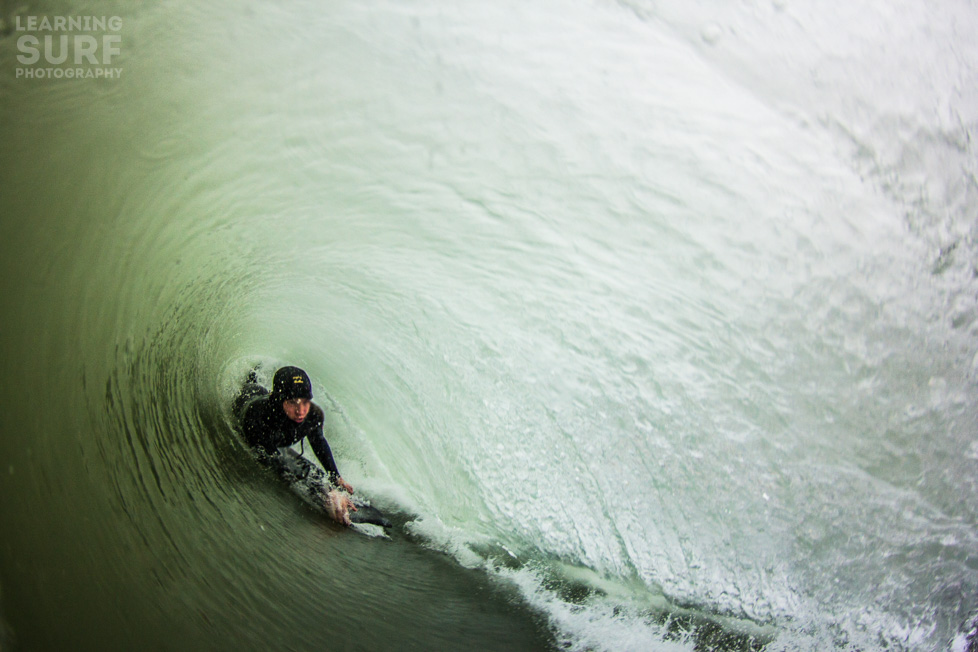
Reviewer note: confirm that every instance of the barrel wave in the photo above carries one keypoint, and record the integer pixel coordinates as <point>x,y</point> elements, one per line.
<point>652,326</point>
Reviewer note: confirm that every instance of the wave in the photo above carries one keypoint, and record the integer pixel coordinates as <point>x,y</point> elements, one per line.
<point>677,353</point>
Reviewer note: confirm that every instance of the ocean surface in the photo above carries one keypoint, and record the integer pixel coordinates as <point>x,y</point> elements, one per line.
<point>653,325</point>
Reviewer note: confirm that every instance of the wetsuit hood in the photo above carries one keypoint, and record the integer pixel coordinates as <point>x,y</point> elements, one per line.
<point>289,383</point>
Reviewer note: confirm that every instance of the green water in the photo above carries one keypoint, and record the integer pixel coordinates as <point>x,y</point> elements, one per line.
<point>640,351</point>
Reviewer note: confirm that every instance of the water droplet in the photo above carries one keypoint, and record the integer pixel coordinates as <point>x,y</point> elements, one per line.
<point>711,33</point>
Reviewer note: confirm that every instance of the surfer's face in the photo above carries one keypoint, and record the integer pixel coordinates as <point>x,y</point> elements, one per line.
<point>297,408</point>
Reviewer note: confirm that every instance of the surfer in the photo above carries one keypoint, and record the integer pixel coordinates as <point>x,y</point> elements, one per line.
<point>272,422</point>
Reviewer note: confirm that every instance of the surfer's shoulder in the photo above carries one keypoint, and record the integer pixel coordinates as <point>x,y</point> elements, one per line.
<point>316,415</point>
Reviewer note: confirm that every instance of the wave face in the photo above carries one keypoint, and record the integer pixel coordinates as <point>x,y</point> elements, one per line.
<point>655,325</point>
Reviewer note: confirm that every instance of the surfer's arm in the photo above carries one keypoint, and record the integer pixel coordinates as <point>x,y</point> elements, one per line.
<point>321,448</point>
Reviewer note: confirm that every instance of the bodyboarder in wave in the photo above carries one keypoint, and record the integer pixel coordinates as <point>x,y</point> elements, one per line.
<point>273,421</point>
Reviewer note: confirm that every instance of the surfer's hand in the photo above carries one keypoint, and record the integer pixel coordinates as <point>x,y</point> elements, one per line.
<point>346,486</point>
<point>338,504</point>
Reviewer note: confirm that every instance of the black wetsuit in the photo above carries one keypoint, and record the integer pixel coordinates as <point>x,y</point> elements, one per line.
<point>270,432</point>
